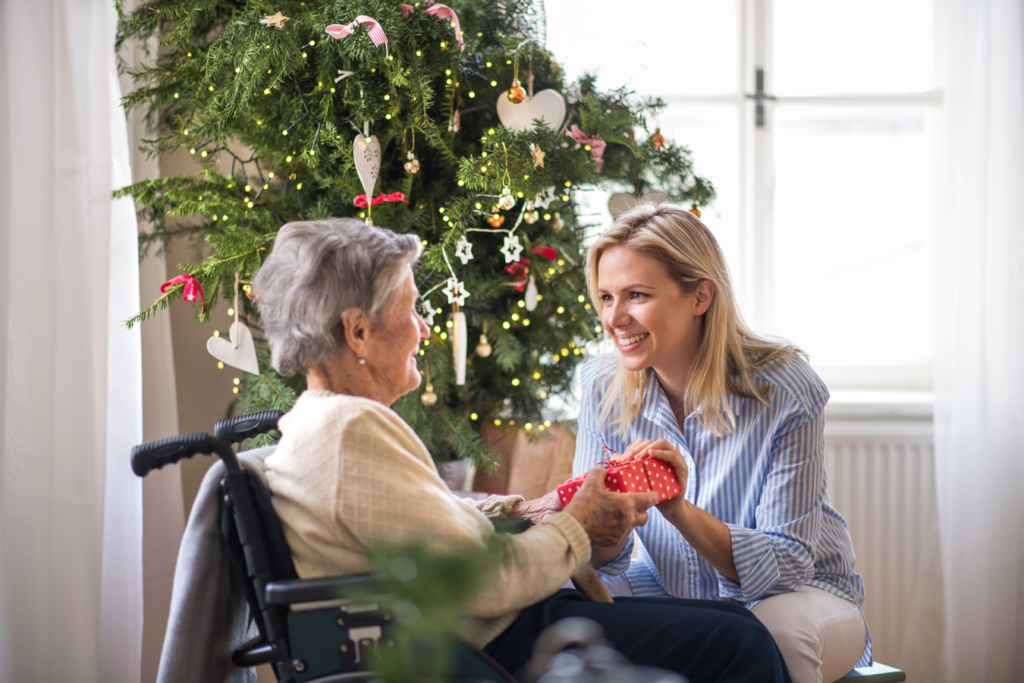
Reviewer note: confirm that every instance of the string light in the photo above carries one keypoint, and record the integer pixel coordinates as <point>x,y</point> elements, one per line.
<point>216,333</point>
<point>497,422</point>
<point>220,365</point>
<point>506,325</point>
<point>561,309</point>
<point>236,381</point>
<point>473,416</point>
<point>515,382</point>
<point>231,311</point>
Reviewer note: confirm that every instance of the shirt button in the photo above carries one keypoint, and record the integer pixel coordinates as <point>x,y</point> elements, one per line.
<point>693,570</point>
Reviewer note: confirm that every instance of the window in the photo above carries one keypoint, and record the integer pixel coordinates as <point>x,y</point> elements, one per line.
<point>816,122</point>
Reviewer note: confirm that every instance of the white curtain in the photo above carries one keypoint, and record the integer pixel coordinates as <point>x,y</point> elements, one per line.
<point>70,374</point>
<point>979,413</point>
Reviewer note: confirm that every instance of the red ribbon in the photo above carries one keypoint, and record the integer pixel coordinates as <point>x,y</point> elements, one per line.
<point>596,145</point>
<point>547,252</point>
<point>189,292</point>
<point>376,33</point>
<point>519,270</point>
<point>441,12</point>
<point>393,197</point>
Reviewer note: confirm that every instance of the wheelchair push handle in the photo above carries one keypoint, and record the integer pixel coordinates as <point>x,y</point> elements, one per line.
<point>155,454</point>
<point>238,429</point>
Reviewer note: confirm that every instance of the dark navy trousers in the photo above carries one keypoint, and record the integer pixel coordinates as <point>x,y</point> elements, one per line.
<point>704,640</point>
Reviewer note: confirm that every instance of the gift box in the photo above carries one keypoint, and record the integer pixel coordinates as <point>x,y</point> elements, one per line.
<point>642,474</point>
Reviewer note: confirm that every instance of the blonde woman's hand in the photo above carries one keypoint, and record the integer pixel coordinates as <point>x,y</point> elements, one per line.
<point>663,450</point>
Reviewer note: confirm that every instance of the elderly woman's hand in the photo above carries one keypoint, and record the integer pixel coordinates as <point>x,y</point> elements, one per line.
<point>538,509</point>
<point>607,517</point>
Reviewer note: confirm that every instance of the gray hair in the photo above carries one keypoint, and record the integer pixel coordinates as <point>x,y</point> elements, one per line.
<point>317,271</point>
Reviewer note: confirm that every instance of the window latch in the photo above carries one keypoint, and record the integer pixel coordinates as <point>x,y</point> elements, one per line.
<point>760,97</point>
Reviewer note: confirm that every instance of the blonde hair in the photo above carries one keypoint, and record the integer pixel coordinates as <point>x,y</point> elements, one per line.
<point>729,352</point>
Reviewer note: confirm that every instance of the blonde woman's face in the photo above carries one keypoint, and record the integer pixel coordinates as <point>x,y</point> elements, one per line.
<point>654,324</point>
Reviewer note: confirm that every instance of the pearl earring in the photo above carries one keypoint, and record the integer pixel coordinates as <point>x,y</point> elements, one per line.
<point>362,361</point>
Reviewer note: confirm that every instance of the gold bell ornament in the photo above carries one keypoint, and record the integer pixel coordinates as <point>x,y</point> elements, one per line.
<point>694,210</point>
<point>429,398</point>
<point>556,223</point>
<point>483,349</point>
<point>506,201</point>
<point>412,165</point>
<point>516,94</point>
<point>530,215</point>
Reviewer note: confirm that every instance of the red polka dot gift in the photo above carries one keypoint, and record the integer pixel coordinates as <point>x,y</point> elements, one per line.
<point>642,474</point>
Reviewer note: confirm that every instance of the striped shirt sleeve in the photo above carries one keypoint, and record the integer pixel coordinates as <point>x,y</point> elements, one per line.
<point>778,554</point>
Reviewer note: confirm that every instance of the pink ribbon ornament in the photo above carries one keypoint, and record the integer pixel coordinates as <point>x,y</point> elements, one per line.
<point>360,201</point>
<point>376,33</point>
<point>441,12</point>
<point>596,145</point>
<point>191,289</point>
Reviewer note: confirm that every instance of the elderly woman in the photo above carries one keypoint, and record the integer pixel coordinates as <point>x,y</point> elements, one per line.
<point>338,303</point>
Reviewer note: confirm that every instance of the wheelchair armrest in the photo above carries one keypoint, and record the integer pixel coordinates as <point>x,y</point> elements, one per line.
<point>295,591</point>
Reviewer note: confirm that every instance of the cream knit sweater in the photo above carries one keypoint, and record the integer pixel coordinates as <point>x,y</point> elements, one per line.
<point>349,472</point>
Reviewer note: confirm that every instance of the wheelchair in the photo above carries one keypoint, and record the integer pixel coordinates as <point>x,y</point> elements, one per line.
<point>308,630</point>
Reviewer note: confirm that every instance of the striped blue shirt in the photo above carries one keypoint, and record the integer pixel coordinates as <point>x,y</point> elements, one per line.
<point>765,481</point>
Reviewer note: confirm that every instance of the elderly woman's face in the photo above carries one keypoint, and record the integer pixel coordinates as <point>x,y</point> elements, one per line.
<point>396,343</point>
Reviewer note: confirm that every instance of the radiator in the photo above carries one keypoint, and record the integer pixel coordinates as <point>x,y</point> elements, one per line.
<point>881,478</point>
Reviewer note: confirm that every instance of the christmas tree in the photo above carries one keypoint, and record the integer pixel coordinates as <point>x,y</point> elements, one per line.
<point>483,149</point>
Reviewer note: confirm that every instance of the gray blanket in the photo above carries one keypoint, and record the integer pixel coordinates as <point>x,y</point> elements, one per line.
<point>209,616</point>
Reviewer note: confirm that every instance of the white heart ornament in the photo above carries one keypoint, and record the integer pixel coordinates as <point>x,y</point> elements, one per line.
<point>367,157</point>
<point>239,351</point>
<point>548,105</point>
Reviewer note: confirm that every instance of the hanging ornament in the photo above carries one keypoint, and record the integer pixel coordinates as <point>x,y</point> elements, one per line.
<point>441,12</point>
<point>556,223</point>
<point>376,33</point>
<point>454,123</point>
<point>507,201</point>
<point>531,294</point>
<point>516,94</point>
<point>189,292</point>
<point>496,220</point>
<point>530,215</point>
<point>459,346</point>
<point>511,248</point>
<point>520,270</point>
<point>360,200</point>
<point>342,75</point>
<point>412,165</point>
<point>274,20</point>
<point>464,251</point>
<point>428,312</point>
<point>596,145</point>
<point>238,350</point>
<point>483,349</point>
<point>657,139</point>
<point>366,153</point>
<point>538,155</point>
<point>428,397</point>
<point>694,210</point>
<point>455,291</point>
<point>247,288</point>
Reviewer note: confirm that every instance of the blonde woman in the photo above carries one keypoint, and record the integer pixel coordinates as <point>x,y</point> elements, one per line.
<point>741,419</point>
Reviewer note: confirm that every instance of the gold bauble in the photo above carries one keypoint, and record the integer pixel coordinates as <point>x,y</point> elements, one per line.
<point>530,217</point>
<point>495,221</point>
<point>694,210</point>
<point>506,201</point>
<point>412,165</point>
<point>556,223</point>
<point>429,398</point>
<point>483,349</point>
<point>515,93</point>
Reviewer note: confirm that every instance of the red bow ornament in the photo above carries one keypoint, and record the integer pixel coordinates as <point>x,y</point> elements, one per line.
<point>596,145</point>
<point>547,252</point>
<point>360,201</point>
<point>642,474</point>
<point>376,33</point>
<point>189,292</point>
<point>519,270</point>
<point>441,12</point>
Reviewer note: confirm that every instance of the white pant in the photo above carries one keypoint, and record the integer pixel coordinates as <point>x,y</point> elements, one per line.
<point>821,636</point>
